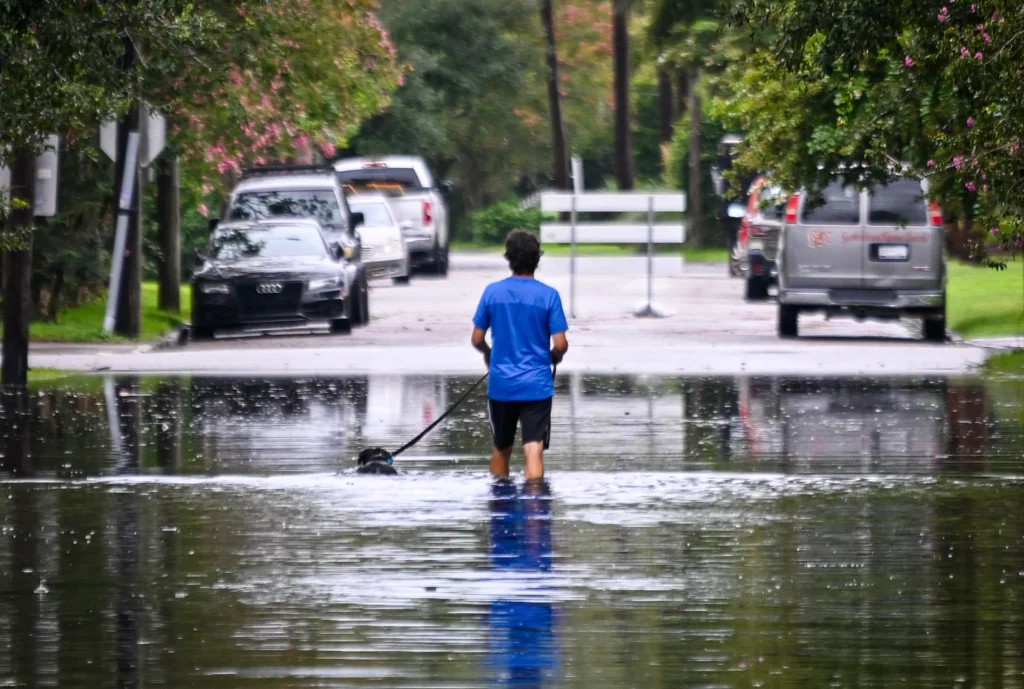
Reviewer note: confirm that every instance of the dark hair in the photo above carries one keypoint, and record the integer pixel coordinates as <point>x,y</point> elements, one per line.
<point>522,249</point>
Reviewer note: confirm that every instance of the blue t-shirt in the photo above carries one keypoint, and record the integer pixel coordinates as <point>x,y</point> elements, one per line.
<point>522,314</point>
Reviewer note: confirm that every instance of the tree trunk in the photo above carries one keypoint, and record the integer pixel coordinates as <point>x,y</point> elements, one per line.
<point>666,107</point>
<point>695,194</point>
<point>168,203</point>
<point>17,294</point>
<point>682,93</point>
<point>56,294</point>
<point>559,140</point>
<point>624,166</point>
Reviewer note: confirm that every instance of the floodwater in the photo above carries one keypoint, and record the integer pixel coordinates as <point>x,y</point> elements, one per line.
<point>692,533</point>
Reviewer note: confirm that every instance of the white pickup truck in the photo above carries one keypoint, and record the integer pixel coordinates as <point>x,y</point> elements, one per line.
<point>418,202</point>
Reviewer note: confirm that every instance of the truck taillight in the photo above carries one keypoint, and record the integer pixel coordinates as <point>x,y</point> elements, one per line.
<point>936,214</point>
<point>428,213</point>
<point>792,208</point>
<point>744,232</point>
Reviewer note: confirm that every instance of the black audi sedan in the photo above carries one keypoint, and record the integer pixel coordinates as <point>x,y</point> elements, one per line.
<point>273,273</point>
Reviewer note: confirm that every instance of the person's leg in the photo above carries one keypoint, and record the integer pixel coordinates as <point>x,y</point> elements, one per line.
<point>504,417</point>
<point>536,419</point>
<point>500,461</point>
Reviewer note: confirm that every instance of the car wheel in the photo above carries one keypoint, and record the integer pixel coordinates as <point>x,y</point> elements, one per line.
<point>341,326</point>
<point>441,260</point>
<point>935,329</point>
<point>357,310</point>
<point>757,289</point>
<point>200,332</point>
<point>365,310</point>
<point>789,317</point>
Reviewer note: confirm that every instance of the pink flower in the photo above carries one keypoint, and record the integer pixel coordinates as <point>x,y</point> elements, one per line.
<point>908,62</point>
<point>994,231</point>
<point>942,17</point>
<point>964,52</point>
<point>981,27</point>
<point>931,163</point>
<point>958,162</point>
<point>978,55</point>
<point>970,121</point>
<point>987,39</point>
<point>974,8</point>
<point>241,11</point>
<point>970,186</point>
<point>984,187</point>
<point>203,210</point>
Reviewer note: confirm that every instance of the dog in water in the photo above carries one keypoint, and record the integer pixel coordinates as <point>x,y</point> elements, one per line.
<point>375,461</point>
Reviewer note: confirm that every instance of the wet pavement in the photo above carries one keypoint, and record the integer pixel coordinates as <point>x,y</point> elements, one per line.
<point>693,532</point>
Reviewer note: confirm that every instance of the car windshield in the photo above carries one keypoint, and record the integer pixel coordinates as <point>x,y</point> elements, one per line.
<point>381,178</point>
<point>263,205</point>
<point>237,243</point>
<point>375,213</point>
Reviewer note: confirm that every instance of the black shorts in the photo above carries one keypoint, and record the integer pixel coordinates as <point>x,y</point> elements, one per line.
<point>535,417</point>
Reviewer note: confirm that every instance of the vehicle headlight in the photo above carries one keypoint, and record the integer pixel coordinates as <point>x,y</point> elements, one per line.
<point>214,288</point>
<point>324,283</point>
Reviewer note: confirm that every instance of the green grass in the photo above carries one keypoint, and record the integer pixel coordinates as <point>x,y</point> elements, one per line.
<point>1007,362</point>
<point>85,323</point>
<point>694,254</point>
<point>984,302</point>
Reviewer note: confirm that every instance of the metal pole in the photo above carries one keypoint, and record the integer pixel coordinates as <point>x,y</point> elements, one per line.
<point>572,258</point>
<point>650,252</point>
<point>124,206</point>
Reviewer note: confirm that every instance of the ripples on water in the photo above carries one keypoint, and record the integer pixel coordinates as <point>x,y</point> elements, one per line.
<point>752,532</point>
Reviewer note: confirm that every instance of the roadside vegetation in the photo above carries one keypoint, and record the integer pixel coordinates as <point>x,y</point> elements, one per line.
<point>983,302</point>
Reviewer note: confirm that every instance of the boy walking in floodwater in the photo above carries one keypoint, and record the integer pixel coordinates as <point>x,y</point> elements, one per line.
<point>528,331</point>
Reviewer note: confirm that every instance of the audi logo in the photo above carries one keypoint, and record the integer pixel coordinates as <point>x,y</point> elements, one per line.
<point>270,288</point>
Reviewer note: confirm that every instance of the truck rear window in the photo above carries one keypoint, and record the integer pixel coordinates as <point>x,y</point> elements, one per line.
<point>900,204</point>
<point>381,178</point>
<point>841,207</point>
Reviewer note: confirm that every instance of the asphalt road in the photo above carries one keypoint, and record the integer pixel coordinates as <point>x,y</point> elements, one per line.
<point>424,328</point>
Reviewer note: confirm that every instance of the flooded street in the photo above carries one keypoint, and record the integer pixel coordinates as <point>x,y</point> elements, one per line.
<point>693,532</point>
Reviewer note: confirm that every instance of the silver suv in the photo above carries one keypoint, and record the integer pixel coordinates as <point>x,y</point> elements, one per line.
<point>866,254</point>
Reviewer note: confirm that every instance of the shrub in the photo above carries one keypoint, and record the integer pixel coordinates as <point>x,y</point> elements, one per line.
<point>492,224</point>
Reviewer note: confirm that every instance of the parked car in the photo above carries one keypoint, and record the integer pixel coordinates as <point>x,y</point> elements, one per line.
<point>757,241</point>
<point>418,203</point>
<point>275,272</point>
<point>384,252</point>
<point>866,254</point>
<point>305,191</point>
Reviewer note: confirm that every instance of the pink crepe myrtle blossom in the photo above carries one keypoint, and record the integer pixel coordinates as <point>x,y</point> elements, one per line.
<point>984,187</point>
<point>987,38</point>
<point>970,186</point>
<point>994,231</point>
<point>203,210</point>
<point>964,52</point>
<point>908,62</point>
<point>931,163</point>
<point>979,55</point>
<point>970,121</point>
<point>958,162</point>
<point>981,27</point>
<point>974,8</point>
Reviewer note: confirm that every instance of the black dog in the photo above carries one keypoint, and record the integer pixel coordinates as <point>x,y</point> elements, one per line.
<point>375,461</point>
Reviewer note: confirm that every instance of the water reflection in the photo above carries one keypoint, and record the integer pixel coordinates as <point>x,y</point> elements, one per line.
<point>522,630</point>
<point>710,532</point>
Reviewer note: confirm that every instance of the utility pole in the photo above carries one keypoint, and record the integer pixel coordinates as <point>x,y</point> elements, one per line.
<point>559,140</point>
<point>625,171</point>
<point>124,307</point>
<point>17,265</point>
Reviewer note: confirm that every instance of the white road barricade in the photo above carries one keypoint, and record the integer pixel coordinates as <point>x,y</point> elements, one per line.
<point>649,233</point>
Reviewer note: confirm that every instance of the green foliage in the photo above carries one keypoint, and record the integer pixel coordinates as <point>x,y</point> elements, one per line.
<point>466,102</point>
<point>492,224</point>
<point>677,168</point>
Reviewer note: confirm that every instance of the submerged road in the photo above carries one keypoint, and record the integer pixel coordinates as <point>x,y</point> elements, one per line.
<point>424,328</point>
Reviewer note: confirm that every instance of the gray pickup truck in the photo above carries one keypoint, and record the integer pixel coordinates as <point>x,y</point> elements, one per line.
<point>865,254</point>
<point>417,200</point>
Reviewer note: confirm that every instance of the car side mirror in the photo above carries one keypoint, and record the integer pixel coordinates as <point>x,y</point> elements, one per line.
<point>446,187</point>
<point>212,225</point>
<point>736,210</point>
<point>337,251</point>
<point>358,219</point>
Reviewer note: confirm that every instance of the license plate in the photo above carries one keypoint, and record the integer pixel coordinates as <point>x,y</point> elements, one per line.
<point>893,252</point>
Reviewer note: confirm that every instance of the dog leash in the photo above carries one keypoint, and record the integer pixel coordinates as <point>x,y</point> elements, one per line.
<point>441,418</point>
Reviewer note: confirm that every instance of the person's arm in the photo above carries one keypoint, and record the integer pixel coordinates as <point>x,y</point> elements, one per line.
<point>557,325</point>
<point>479,341</point>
